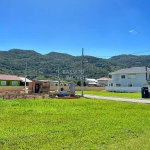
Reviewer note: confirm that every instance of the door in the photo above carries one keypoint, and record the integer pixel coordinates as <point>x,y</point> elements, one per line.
<point>37,87</point>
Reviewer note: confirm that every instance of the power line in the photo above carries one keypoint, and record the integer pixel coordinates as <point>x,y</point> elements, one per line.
<point>128,54</point>
<point>141,52</point>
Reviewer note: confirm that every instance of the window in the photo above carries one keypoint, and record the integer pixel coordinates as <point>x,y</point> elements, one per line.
<point>131,76</point>
<point>111,84</point>
<point>122,76</point>
<point>14,83</point>
<point>129,84</point>
<point>118,84</point>
<point>3,82</point>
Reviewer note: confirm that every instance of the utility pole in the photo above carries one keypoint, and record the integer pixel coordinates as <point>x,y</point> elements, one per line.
<point>25,83</point>
<point>82,74</point>
<point>58,78</point>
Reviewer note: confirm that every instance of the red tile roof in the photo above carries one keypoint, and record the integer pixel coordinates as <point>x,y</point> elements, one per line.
<point>9,77</point>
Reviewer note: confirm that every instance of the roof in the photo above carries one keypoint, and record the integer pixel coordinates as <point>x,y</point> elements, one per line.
<point>92,83</point>
<point>9,77</point>
<point>92,80</point>
<point>23,79</point>
<point>132,70</point>
<point>104,79</point>
<point>43,80</point>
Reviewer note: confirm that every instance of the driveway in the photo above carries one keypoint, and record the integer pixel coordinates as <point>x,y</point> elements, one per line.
<point>137,100</point>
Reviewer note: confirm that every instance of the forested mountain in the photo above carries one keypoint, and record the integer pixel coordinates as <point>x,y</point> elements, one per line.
<point>131,60</point>
<point>46,66</point>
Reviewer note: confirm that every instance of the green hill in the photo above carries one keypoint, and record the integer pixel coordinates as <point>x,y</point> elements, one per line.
<point>46,66</point>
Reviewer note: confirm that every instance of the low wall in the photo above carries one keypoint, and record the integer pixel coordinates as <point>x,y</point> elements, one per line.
<point>78,88</point>
<point>11,88</point>
<point>123,89</point>
<point>52,88</point>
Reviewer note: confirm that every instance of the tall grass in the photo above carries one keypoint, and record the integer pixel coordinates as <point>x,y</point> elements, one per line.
<point>79,124</point>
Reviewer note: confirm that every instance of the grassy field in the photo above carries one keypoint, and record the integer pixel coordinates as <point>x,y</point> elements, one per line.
<point>77,124</point>
<point>112,94</point>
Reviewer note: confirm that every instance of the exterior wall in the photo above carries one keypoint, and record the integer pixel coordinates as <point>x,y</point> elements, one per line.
<point>10,83</point>
<point>18,83</point>
<point>123,89</point>
<point>56,83</point>
<point>39,87</point>
<point>11,88</point>
<point>127,84</point>
<point>100,82</point>
<point>138,81</point>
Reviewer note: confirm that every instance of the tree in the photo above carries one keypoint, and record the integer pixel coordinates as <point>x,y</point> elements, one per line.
<point>79,83</point>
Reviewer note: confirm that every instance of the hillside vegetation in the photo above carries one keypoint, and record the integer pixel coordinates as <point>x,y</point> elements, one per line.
<point>46,66</point>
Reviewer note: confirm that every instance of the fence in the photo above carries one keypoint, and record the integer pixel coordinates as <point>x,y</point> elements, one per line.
<point>78,88</point>
<point>23,96</point>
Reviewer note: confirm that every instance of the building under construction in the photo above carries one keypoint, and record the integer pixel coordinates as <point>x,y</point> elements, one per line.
<point>39,86</point>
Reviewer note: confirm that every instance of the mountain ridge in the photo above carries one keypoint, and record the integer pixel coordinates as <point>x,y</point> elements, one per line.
<point>46,66</point>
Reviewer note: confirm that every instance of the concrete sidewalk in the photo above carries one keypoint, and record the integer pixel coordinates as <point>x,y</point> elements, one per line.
<point>137,100</point>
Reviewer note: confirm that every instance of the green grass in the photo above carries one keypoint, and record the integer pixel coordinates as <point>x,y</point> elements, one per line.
<point>113,94</point>
<point>77,124</point>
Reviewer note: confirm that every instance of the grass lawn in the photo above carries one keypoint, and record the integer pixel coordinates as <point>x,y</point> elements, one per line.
<point>112,94</point>
<point>77,124</point>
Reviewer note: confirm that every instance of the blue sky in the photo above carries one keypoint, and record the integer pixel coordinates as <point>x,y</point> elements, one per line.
<point>104,28</point>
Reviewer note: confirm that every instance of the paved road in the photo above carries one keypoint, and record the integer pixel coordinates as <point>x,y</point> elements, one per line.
<point>137,100</point>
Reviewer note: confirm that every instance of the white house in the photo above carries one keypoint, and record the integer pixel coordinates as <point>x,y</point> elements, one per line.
<point>129,79</point>
<point>91,82</point>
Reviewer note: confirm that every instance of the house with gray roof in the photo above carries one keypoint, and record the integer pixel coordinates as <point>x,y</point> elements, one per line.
<point>128,79</point>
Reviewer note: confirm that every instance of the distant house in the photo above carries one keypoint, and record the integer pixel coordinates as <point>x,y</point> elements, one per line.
<point>61,83</point>
<point>128,79</point>
<point>23,80</point>
<point>91,82</point>
<point>9,80</point>
<point>55,85</point>
<point>103,81</point>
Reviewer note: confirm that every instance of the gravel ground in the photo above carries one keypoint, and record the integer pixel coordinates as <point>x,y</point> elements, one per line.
<point>137,100</point>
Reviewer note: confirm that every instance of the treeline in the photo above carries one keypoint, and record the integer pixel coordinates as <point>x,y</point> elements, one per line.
<point>46,66</point>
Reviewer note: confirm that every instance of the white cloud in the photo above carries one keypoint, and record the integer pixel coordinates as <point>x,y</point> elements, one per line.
<point>133,32</point>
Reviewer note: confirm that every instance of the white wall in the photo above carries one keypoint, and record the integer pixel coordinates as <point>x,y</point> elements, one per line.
<point>138,81</point>
<point>123,89</point>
